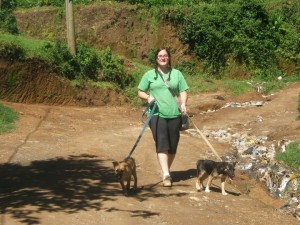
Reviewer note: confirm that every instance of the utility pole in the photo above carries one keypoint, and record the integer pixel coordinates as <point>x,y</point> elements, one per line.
<point>70,26</point>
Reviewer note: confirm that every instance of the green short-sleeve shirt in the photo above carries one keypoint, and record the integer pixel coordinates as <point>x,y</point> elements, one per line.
<point>166,104</point>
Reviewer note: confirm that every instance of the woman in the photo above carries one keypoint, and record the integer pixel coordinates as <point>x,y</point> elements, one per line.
<point>161,83</point>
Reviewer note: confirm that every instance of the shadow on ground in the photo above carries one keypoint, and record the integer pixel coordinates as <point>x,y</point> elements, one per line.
<point>66,185</point>
<point>183,175</point>
<point>78,183</point>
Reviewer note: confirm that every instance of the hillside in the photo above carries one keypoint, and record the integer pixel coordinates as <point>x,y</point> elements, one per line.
<point>127,29</point>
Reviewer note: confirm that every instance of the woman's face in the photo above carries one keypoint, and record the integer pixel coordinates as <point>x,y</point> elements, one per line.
<point>162,58</point>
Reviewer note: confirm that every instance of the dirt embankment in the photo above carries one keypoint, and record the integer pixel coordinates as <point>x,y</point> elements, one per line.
<point>33,81</point>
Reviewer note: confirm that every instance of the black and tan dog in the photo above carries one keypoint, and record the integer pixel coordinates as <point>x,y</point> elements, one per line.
<point>212,170</point>
<point>124,170</point>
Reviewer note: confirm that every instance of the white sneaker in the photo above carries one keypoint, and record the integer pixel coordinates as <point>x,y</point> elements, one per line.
<point>167,181</point>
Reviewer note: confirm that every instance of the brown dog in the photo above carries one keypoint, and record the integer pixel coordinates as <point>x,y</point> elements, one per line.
<point>212,170</point>
<point>124,170</point>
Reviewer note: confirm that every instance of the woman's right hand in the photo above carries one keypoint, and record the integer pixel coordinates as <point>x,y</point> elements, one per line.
<point>149,98</point>
<point>144,95</point>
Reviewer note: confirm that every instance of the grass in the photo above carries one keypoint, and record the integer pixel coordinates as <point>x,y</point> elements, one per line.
<point>200,84</point>
<point>237,87</point>
<point>291,157</point>
<point>7,119</point>
<point>32,47</point>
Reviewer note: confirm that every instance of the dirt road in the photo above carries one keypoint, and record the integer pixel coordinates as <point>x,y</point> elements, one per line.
<point>56,167</point>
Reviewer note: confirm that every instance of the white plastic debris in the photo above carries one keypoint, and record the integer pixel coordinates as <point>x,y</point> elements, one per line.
<point>285,180</point>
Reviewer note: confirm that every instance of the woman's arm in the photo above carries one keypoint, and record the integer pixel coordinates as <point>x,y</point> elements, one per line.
<point>183,99</point>
<point>144,95</point>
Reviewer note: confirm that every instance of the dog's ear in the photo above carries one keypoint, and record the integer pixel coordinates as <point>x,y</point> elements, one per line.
<point>115,163</point>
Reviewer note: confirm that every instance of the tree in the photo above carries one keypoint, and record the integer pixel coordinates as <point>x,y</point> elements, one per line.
<point>70,26</point>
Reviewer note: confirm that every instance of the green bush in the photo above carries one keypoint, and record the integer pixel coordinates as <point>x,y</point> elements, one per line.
<point>268,74</point>
<point>112,69</point>
<point>188,68</point>
<point>291,157</point>
<point>252,34</point>
<point>85,64</point>
<point>203,30</point>
<point>7,20</point>
<point>88,62</point>
<point>7,119</point>
<point>255,41</point>
<point>11,51</point>
<point>286,23</point>
<point>62,60</point>
<point>241,30</point>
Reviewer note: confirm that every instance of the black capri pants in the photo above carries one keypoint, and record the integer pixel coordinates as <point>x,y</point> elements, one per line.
<point>165,133</point>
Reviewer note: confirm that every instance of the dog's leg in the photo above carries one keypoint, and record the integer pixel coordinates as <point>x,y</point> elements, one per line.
<point>209,181</point>
<point>223,179</point>
<point>134,180</point>
<point>203,177</point>
<point>199,183</point>
<point>128,184</point>
<point>124,188</point>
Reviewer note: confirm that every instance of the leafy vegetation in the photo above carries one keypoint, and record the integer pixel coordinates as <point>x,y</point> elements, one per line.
<point>7,20</point>
<point>11,51</point>
<point>291,157</point>
<point>225,35</point>
<point>245,32</point>
<point>88,64</point>
<point>84,65</point>
<point>7,119</point>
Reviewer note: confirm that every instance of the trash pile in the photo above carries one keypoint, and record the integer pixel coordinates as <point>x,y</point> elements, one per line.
<point>257,158</point>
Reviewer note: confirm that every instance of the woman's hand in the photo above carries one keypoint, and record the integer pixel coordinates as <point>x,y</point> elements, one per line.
<point>149,98</point>
<point>183,108</point>
<point>183,98</point>
<point>144,95</point>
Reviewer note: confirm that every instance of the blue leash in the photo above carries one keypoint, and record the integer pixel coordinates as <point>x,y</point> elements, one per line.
<point>145,125</point>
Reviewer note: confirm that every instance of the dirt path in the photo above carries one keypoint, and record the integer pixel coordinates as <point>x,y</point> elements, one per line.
<point>56,168</point>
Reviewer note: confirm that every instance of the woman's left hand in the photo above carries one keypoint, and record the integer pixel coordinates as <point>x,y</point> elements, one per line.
<point>183,108</point>
<point>183,98</point>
